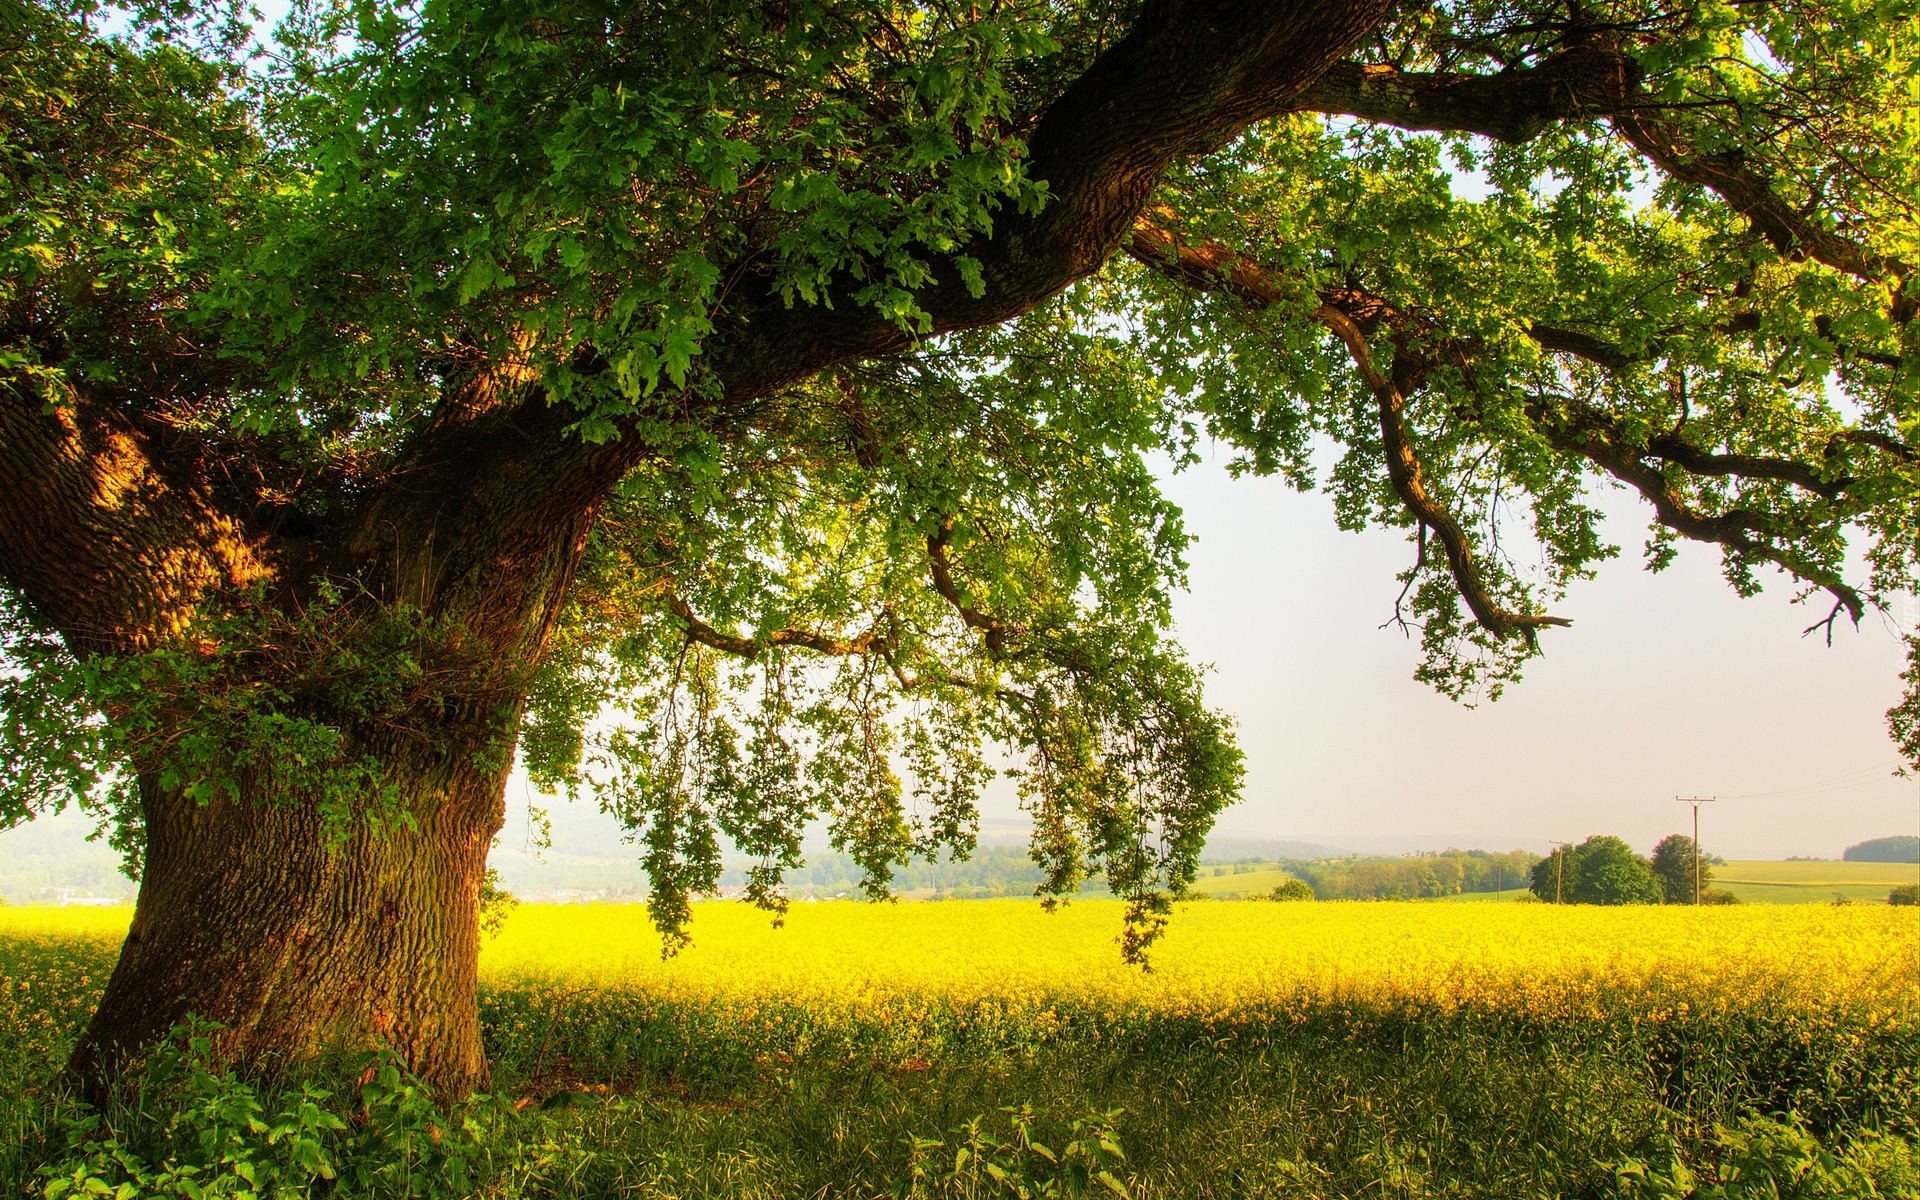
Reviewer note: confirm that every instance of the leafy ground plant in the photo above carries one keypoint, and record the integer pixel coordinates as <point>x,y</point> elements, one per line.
<point>195,1131</point>
<point>1019,1166</point>
<point>1779,1158</point>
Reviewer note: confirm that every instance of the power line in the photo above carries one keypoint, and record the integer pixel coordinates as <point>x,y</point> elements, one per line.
<point>1837,783</point>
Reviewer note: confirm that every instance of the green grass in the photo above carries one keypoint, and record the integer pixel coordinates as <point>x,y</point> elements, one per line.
<point>1812,882</point>
<point>1509,896</point>
<point>1250,883</point>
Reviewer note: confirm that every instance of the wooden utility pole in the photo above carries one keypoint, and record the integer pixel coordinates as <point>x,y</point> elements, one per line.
<point>1559,871</point>
<point>1696,801</point>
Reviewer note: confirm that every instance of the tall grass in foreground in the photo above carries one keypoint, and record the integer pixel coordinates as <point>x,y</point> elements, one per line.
<point>1274,1050</point>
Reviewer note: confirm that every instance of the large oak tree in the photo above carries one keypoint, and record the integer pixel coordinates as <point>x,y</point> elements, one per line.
<point>746,412</point>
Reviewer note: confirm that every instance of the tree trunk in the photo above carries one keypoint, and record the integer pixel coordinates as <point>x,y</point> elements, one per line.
<point>248,918</point>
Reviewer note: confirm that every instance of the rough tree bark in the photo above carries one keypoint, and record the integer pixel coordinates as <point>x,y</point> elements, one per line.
<point>116,529</point>
<point>248,916</point>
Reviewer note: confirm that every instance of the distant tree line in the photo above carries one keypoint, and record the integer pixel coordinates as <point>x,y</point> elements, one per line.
<point>991,871</point>
<point>995,870</point>
<point>1600,870</point>
<point>1605,870</point>
<point>1902,849</point>
<point>1417,876</point>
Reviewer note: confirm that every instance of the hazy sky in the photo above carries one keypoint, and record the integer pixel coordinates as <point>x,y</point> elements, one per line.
<point>1666,684</point>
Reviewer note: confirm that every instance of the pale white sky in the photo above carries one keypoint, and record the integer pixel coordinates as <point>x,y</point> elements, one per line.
<point>1666,684</point>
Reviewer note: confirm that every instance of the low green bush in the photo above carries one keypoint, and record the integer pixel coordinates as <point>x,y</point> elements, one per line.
<point>1293,889</point>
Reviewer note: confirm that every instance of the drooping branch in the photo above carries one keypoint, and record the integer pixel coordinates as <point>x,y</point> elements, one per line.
<point>1791,232</point>
<point>1408,478</point>
<point>1211,266</point>
<point>872,643</point>
<point>1578,428</point>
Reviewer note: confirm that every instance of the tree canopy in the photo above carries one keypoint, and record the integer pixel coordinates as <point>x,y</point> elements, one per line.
<point>747,413</point>
<point>1897,849</point>
<point>1682,872</point>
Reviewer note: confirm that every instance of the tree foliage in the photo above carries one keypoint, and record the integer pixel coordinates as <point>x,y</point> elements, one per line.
<point>746,415</point>
<point>1675,861</point>
<point>1600,870</point>
<point>1611,873</point>
<point>1901,848</point>
<point>1420,876</point>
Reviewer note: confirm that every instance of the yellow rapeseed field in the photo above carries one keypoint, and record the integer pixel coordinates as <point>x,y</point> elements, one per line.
<point>1217,959</point>
<point>1223,956</point>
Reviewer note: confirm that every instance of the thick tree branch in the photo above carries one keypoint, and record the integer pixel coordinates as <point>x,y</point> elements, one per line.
<point>1595,350</point>
<point>1185,78</point>
<point>1677,450</point>
<point>1513,106</point>
<point>102,534</point>
<point>870,642</point>
<point>1885,443</point>
<point>1589,79</point>
<point>996,631</point>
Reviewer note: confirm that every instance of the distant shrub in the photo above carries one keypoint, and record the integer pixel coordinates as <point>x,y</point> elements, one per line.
<point>1718,896</point>
<point>1292,889</point>
<point>1906,894</point>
